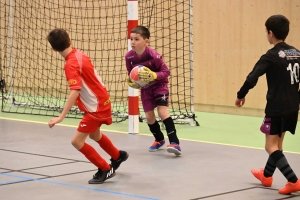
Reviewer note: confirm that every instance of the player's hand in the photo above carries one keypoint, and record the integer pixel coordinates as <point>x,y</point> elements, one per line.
<point>147,75</point>
<point>132,84</point>
<point>54,121</point>
<point>240,102</point>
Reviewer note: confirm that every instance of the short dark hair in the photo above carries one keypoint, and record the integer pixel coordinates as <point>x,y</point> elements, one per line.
<point>142,30</point>
<point>279,25</point>
<point>59,39</point>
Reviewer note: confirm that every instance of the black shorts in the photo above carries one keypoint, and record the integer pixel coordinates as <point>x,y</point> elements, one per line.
<point>276,125</point>
<point>162,99</point>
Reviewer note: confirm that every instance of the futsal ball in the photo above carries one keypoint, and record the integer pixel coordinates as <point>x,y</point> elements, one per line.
<point>134,76</point>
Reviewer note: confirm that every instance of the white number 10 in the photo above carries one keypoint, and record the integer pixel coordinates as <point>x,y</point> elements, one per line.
<point>294,72</point>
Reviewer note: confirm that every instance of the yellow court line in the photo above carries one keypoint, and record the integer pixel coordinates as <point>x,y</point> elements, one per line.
<point>114,131</point>
<point>65,125</point>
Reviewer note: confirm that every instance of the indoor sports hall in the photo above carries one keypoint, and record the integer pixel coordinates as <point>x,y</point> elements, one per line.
<point>209,47</point>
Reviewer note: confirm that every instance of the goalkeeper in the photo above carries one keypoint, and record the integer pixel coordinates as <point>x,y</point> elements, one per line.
<point>156,93</point>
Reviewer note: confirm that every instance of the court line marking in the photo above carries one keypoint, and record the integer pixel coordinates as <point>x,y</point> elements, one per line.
<point>244,189</point>
<point>114,131</point>
<point>13,182</point>
<point>224,193</point>
<point>35,154</point>
<point>24,179</point>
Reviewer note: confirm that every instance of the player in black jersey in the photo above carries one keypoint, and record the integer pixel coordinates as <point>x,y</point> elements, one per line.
<point>281,66</point>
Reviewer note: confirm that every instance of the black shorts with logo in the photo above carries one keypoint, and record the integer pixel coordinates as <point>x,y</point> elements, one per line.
<point>276,125</point>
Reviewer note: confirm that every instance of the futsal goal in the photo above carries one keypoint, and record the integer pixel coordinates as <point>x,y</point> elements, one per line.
<point>31,74</point>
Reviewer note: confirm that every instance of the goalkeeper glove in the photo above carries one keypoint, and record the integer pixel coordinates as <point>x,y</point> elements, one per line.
<point>132,84</point>
<point>147,75</point>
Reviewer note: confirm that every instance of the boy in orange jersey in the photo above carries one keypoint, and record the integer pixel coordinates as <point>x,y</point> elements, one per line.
<point>90,94</point>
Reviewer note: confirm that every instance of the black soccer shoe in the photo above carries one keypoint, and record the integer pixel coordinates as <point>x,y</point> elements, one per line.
<point>123,157</point>
<point>101,176</point>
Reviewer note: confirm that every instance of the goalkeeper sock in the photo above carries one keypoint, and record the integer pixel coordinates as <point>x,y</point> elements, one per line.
<point>171,131</point>
<point>155,130</point>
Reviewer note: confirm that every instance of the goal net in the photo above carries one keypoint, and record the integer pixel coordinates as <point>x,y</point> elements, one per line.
<point>32,76</point>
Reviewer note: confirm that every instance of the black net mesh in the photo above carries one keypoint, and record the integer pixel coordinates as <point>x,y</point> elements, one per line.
<point>32,76</point>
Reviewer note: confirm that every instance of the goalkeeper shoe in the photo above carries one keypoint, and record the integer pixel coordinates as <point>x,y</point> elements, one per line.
<point>259,174</point>
<point>156,145</point>
<point>123,157</point>
<point>174,148</point>
<point>102,175</point>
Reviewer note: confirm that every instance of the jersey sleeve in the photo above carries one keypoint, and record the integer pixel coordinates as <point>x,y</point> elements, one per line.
<point>260,68</point>
<point>72,73</point>
<point>163,70</point>
<point>128,65</point>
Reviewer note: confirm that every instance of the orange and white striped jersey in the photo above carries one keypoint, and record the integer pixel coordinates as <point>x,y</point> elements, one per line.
<point>82,75</point>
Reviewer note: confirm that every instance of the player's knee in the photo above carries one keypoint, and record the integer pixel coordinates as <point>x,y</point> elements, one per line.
<point>95,136</point>
<point>163,112</point>
<point>267,148</point>
<point>164,116</point>
<point>271,148</point>
<point>92,136</point>
<point>150,117</point>
<point>74,142</point>
<point>77,144</point>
